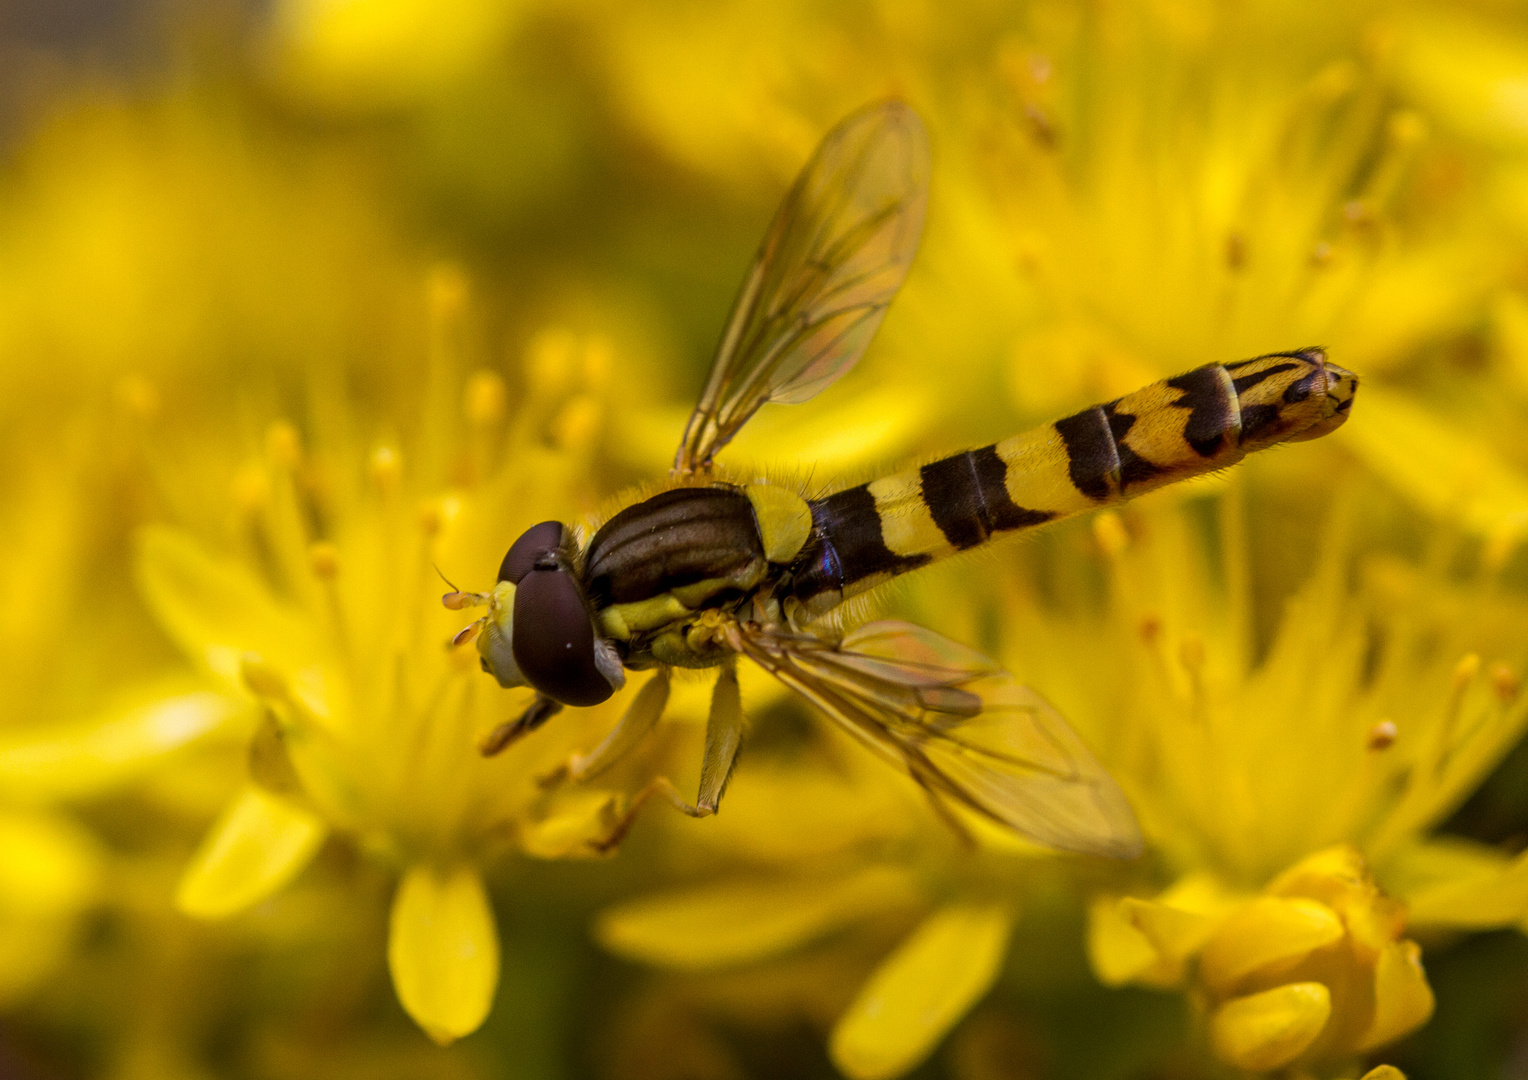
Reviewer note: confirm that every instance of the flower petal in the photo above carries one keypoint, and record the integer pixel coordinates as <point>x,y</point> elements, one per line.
<point>1496,897</point>
<point>735,923</point>
<point>50,866</point>
<point>91,757</point>
<point>1269,931</point>
<point>921,990</point>
<point>214,609</point>
<point>1266,1031</point>
<point>259,844</point>
<point>1120,953</point>
<point>443,950</point>
<point>1449,472</point>
<point>1173,932</point>
<point>1383,1072</point>
<point>1402,999</point>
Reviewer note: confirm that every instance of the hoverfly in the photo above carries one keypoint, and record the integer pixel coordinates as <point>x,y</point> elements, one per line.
<point>718,567</point>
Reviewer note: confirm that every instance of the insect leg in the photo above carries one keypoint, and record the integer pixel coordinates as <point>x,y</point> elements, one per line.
<point>640,717</point>
<point>539,712</point>
<point>724,737</point>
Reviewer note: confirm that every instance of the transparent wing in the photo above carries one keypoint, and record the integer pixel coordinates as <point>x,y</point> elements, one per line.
<point>965,728</point>
<point>834,256</point>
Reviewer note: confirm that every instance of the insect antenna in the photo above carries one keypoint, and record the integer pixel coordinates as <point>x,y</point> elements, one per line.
<point>456,599</point>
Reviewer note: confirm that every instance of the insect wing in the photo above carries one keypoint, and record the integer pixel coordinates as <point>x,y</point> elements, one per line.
<point>836,253</point>
<point>965,728</point>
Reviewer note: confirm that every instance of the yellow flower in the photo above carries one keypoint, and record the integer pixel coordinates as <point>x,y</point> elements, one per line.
<point>324,612</point>
<point>1314,968</point>
<point>1356,729</point>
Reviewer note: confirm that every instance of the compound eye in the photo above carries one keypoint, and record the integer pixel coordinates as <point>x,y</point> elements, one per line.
<point>523,553</point>
<point>554,642</point>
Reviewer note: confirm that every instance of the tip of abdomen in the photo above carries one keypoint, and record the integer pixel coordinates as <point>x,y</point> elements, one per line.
<point>1341,386</point>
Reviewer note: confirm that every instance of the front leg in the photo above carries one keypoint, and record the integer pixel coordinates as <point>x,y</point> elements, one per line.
<point>537,713</point>
<point>724,738</point>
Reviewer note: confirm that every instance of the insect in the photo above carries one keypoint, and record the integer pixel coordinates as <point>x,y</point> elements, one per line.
<point>718,567</point>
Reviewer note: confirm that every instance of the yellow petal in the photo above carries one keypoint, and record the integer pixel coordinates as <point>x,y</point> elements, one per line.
<point>1449,472</point>
<point>920,991</point>
<point>1496,897</point>
<point>49,866</point>
<point>215,609</point>
<point>443,950</point>
<point>1267,932</point>
<point>1403,1001</point>
<point>736,923</point>
<point>1266,1031</point>
<point>259,844</point>
<point>1173,932</point>
<point>570,828</point>
<point>1383,1072</point>
<point>89,758</point>
<point>1119,953</point>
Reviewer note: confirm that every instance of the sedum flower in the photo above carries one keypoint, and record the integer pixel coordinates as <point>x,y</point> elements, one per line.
<point>1291,799</point>
<point>324,614</point>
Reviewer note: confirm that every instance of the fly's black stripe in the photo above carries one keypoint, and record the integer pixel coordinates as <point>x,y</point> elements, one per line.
<point>1212,414</point>
<point>1133,468</point>
<point>968,497</point>
<point>1255,418</point>
<point>1247,382</point>
<point>1091,453</point>
<point>675,538</point>
<point>1300,389</point>
<point>846,545</point>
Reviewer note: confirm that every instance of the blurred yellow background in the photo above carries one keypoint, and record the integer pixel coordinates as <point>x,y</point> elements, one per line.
<point>302,300</point>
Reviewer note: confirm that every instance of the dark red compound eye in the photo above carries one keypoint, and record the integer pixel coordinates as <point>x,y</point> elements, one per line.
<point>554,638</point>
<point>535,542</point>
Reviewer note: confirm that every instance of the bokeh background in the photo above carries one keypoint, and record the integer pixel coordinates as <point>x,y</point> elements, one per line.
<point>300,299</point>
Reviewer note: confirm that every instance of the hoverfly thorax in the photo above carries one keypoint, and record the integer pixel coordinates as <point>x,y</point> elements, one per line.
<point>539,630</point>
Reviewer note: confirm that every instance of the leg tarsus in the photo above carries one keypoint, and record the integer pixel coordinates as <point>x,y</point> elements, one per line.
<point>724,737</point>
<point>536,713</point>
<point>659,785</point>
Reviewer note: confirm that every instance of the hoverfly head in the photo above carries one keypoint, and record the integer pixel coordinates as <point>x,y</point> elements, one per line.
<point>539,630</point>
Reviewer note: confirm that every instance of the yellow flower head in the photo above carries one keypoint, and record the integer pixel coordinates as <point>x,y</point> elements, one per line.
<point>324,608</point>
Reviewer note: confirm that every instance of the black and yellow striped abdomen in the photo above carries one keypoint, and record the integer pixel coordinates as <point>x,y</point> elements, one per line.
<point>1195,423</point>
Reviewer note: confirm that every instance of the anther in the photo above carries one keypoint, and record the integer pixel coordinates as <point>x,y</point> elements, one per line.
<point>324,557</point>
<point>447,290</point>
<point>251,488</point>
<point>1504,682</point>
<point>484,399</point>
<point>1465,671</point>
<point>431,517</point>
<point>549,361</point>
<point>1381,735</point>
<point>385,467</point>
